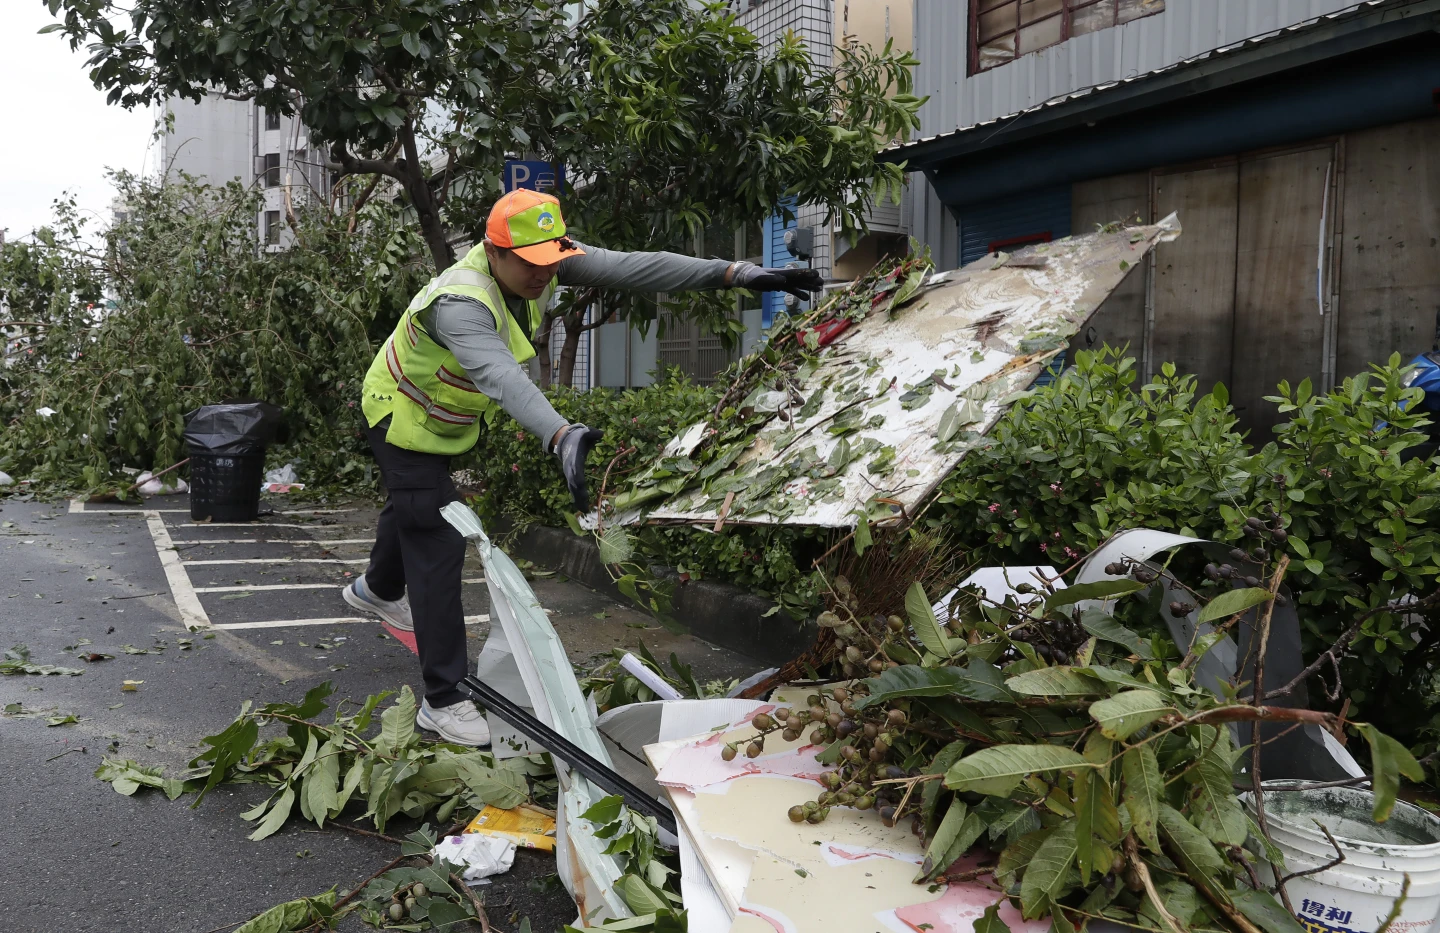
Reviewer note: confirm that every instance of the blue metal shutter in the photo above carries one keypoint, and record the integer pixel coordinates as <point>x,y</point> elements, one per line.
<point>1044,210</point>
<point>775,255</point>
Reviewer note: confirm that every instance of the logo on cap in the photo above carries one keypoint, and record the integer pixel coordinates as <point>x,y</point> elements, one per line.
<point>546,222</point>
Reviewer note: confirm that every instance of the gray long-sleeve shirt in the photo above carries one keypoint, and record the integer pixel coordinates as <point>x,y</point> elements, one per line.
<point>467,329</point>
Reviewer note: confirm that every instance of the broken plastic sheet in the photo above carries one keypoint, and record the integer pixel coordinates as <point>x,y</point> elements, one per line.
<point>996,584</point>
<point>554,695</point>
<point>986,331</point>
<point>1309,753</point>
<point>746,868</point>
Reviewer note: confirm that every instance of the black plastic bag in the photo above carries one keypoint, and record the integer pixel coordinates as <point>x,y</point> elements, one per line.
<point>231,427</point>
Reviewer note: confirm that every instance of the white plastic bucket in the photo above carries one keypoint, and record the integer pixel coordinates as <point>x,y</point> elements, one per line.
<point>1357,895</point>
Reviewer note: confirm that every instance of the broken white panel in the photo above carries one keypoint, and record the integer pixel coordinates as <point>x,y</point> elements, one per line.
<point>849,874</point>
<point>996,584</point>
<point>1222,661</point>
<point>588,873</point>
<point>986,332</point>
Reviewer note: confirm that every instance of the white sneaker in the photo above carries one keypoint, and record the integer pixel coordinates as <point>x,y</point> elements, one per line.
<point>396,612</point>
<point>460,723</point>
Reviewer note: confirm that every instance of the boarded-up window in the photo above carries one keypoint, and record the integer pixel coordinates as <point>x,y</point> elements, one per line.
<point>1003,30</point>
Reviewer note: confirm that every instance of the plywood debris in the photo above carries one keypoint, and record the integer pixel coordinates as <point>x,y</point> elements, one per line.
<point>851,874</point>
<point>888,409</point>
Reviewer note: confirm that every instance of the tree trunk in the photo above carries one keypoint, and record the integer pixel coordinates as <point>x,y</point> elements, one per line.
<point>570,348</point>
<point>542,347</point>
<point>423,198</point>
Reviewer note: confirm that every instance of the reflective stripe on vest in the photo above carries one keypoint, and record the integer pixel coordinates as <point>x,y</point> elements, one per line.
<point>416,395</point>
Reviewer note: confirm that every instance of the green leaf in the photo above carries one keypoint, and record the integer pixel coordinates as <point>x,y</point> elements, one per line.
<point>1264,911</point>
<point>1229,603</point>
<point>1124,714</point>
<point>976,681</point>
<point>1100,589</point>
<point>1143,791</point>
<point>996,770</point>
<point>1095,815</point>
<point>990,922</point>
<point>615,545</point>
<point>957,833</point>
<point>227,749</point>
<point>1216,809</point>
<point>397,725</point>
<point>322,782</point>
<point>291,915</point>
<point>1055,682</point>
<point>604,811</point>
<point>278,814</point>
<point>1181,900</point>
<point>949,423</point>
<point>499,787</point>
<point>922,618</point>
<point>1017,856</point>
<point>639,896</point>
<point>1101,625</point>
<point>1195,852</point>
<point>1046,878</point>
<point>863,538</point>
<point>1388,761</point>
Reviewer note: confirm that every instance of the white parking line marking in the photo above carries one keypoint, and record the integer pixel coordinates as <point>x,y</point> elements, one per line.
<point>256,525</point>
<point>298,542</point>
<point>341,620</point>
<point>277,560</point>
<point>288,586</point>
<point>191,612</point>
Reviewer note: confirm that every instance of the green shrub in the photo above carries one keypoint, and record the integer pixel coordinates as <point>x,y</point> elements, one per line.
<point>1087,456</point>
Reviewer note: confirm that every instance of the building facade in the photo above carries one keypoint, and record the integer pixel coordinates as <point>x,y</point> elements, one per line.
<point>622,356</point>
<point>218,140</point>
<point>1297,140</point>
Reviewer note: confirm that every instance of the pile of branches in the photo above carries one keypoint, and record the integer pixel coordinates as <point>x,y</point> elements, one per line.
<point>319,769</point>
<point>1075,756</point>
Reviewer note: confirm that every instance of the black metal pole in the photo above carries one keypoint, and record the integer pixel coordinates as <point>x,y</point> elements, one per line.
<point>568,752</point>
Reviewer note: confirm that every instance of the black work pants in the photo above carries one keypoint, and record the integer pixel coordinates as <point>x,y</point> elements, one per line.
<point>418,550</point>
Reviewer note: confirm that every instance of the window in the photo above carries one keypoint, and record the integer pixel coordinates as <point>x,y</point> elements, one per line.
<point>272,169</point>
<point>272,119</point>
<point>1003,30</point>
<point>272,228</point>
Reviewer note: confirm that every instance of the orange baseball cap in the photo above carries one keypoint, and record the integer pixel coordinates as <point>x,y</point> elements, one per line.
<point>529,223</point>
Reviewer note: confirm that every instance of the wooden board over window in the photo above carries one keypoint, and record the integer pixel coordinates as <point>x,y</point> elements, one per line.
<point>1003,30</point>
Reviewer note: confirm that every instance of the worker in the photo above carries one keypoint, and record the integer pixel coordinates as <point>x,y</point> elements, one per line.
<point>455,357</point>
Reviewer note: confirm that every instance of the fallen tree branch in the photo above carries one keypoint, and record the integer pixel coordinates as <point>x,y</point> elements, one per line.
<point>1255,742</point>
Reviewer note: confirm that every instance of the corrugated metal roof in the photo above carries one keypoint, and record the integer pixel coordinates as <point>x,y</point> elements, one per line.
<point>897,153</point>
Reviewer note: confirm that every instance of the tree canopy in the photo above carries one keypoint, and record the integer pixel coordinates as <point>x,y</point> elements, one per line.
<point>666,115</point>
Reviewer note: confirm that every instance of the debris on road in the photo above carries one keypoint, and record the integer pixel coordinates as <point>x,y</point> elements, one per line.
<point>479,854</point>
<point>17,661</point>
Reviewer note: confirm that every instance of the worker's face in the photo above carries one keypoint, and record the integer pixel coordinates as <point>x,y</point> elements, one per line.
<point>515,275</point>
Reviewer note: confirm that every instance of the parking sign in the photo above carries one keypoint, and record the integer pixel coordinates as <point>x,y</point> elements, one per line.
<point>537,176</point>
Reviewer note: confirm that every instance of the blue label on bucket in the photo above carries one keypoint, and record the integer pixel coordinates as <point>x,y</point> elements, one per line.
<point>1318,917</point>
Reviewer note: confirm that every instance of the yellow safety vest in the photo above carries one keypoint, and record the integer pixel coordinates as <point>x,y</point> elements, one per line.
<point>433,406</point>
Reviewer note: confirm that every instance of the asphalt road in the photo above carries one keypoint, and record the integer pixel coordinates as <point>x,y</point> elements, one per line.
<point>75,855</point>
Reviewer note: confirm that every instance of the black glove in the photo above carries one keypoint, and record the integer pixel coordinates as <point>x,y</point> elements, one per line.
<point>575,445</point>
<point>798,282</point>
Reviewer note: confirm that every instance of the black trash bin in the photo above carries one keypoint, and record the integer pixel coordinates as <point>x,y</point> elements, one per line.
<point>227,445</point>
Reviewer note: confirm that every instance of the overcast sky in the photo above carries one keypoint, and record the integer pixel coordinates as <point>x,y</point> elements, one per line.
<point>62,134</point>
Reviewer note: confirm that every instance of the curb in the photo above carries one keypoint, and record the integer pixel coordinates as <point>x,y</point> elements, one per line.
<point>720,613</point>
